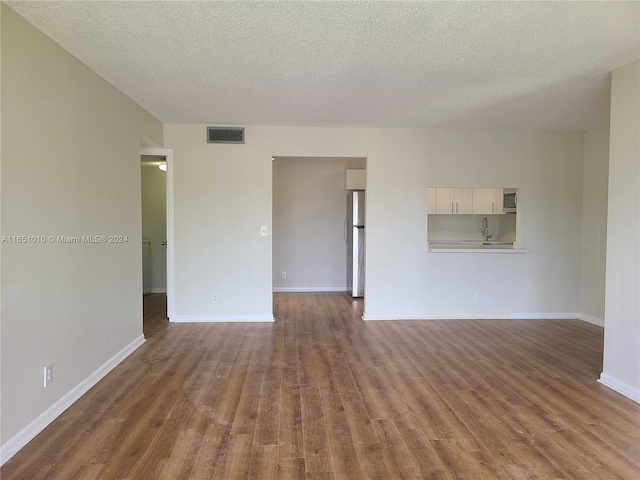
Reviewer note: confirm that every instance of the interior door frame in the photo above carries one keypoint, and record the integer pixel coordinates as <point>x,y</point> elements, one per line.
<point>168,154</point>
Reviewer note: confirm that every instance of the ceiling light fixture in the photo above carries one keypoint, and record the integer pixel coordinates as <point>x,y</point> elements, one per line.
<point>163,167</point>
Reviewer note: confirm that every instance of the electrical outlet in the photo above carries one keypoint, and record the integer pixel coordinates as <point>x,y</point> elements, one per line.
<point>443,228</point>
<point>48,375</point>
<point>476,296</point>
<point>264,230</point>
<point>214,298</point>
<point>284,274</point>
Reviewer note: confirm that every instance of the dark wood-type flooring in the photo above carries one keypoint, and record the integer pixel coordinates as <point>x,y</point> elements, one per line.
<point>320,394</point>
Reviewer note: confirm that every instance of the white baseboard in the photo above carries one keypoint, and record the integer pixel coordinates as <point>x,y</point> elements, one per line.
<point>620,387</point>
<point>308,289</point>
<point>483,316</point>
<point>27,434</point>
<point>220,318</point>
<point>590,319</point>
<point>472,316</point>
<point>158,290</point>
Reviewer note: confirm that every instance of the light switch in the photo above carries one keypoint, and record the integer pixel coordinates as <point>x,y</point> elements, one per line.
<point>263,230</point>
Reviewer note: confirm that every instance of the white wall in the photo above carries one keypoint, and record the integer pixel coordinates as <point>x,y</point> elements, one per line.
<point>594,225</point>
<point>546,167</point>
<point>154,223</point>
<point>621,369</point>
<point>70,166</point>
<point>309,209</point>
<point>223,195</point>
<point>1,10</point>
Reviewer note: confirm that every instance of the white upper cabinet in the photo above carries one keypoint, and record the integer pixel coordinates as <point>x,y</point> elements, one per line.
<point>355,179</point>
<point>487,201</point>
<point>464,200</point>
<point>445,200</point>
<point>453,200</point>
<point>477,201</point>
<point>431,200</point>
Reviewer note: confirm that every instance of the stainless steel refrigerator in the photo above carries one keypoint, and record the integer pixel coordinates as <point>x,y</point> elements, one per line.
<point>355,243</point>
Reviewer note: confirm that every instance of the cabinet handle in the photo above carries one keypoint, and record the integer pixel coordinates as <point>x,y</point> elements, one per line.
<point>452,207</point>
<point>456,207</point>
<point>493,207</point>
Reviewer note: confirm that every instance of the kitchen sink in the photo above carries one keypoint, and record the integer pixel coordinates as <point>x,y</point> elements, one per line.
<point>473,244</point>
<point>490,242</point>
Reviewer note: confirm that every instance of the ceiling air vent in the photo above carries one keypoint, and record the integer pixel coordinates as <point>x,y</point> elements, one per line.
<point>225,135</point>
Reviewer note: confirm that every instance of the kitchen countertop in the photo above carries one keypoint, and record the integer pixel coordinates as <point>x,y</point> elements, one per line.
<point>475,247</point>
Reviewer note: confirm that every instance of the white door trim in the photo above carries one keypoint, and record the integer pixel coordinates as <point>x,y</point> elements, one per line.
<point>168,154</point>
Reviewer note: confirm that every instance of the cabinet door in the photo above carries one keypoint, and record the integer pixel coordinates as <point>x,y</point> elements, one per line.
<point>464,200</point>
<point>355,179</point>
<point>445,200</point>
<point>499,200</point>
<point>431,200</point>
<point>487,201</point>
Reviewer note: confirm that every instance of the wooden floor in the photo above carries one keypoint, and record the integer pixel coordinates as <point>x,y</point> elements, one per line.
<point>322,394</point>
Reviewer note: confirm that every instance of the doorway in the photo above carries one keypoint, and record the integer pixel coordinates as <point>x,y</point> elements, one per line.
<point>157,221</point>
<point>309,249</point>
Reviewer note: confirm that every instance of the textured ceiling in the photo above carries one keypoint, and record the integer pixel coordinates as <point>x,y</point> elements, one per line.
<point>542,65</point>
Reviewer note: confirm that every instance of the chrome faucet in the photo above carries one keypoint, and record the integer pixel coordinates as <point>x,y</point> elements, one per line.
<point>485,230</point>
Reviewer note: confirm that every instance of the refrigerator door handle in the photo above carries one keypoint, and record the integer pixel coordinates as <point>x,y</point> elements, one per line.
<point>345,230</point>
